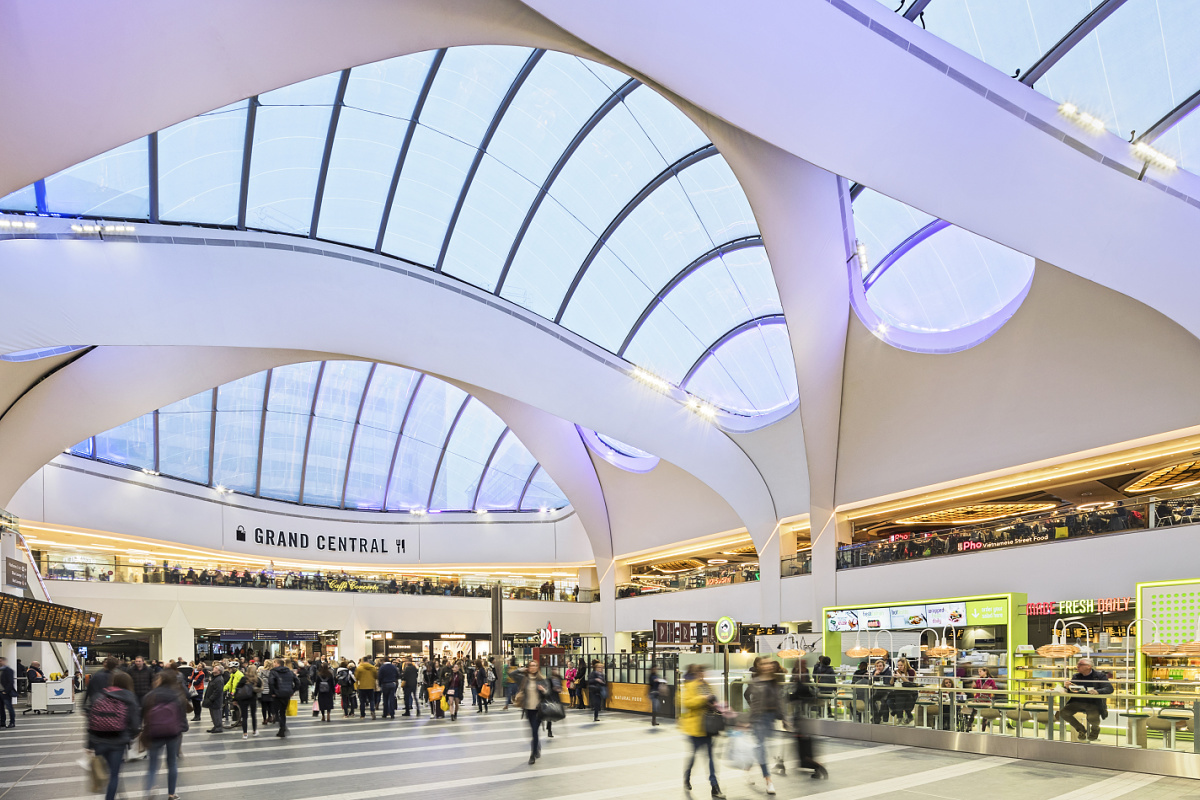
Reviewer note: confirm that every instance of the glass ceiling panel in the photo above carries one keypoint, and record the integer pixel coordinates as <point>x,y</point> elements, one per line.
<point>468,89</point>
<point>551,107</point>
<point>131,444</point>
<point>434,408</point>
<point>1008,34</point>
<point>365,149</point>
<point>1182,141</point>
<point>673,134</point>
<point>665,346</point>
<point>328,430</point>
<point>200,167</point>
<point>612,165</point>
<point>491,216</point>
<point>754,359</point>
<point>506,475</point>
<point>389,87</point>
<point>537,279</point>
<point>542,493</point>
<point>290,129</point>
<point>714,383</point>
<point>948,281</point>
<point>466,454</point>
<point>183,437</point>
<point>710,303</point>
<point>20,200</point>
<point>881,224</point>
<point>434,170</point>
<point>114,184</point>
<point>1134,67</point>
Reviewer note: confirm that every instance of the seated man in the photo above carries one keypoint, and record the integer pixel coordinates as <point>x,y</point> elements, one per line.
<point>1086,685</point>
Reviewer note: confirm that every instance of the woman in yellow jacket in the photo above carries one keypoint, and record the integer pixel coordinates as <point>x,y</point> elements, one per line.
<point>697,699</point>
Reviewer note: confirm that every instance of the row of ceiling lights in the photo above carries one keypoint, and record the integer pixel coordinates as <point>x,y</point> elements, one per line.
<point>1141,151</point>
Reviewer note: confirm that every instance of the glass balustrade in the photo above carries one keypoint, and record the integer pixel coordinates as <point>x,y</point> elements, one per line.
<point>700,578</point>
<point>121,570</point>
<point>799,564</point>
<point>1122,713</point>
<point>1094,519</point>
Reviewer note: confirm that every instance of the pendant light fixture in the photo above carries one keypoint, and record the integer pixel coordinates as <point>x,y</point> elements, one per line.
<point>1058,647</point>
<point>858,651</point>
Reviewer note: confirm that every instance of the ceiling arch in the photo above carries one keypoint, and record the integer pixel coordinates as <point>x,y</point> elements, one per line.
<point>556,183</point>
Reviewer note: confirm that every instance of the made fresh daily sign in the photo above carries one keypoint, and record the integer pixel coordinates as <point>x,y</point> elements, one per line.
<point>1099,605</point>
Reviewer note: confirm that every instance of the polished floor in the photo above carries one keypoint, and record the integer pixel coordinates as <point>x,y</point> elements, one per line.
<point>485,756</point>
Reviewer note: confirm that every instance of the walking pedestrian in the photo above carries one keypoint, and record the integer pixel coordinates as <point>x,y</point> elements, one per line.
<point>8,690</point>
<point>325,689</point>
<point>409,677</point>
<point>528,698</point>
<point>282,683</point>
<point>597,687</point>
<point>164,721</point>
<point>697,701</point>
<point>113,722</point>
<point>454,691</point>
<point>656,688</point>
<point>765,708</point>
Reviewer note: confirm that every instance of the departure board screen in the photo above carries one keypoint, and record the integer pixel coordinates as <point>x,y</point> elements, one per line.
<point>33,620</point>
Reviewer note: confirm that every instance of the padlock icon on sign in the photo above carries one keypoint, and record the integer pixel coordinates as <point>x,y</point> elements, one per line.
<point>241,533</point>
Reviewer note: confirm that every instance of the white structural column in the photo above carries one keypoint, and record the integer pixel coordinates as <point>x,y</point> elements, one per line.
<point>352,638</point>
<point>801,211</point>
<point>178,637</point>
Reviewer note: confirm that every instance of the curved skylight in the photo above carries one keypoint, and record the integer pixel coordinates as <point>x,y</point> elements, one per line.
<point>340,434</point>
<point>551,181</point>
<point>1135,64</point>
<point>616,452</point>
<point>925,276</point>
<point>42,352</point>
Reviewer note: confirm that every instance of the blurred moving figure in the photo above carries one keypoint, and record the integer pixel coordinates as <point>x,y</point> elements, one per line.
<point>697,702</point>
<point>804,695</point>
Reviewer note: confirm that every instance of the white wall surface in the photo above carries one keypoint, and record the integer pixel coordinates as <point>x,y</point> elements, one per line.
<point>85,494</point>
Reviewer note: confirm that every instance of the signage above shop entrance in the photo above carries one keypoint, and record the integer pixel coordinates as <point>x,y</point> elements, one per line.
<point>1100,605</point>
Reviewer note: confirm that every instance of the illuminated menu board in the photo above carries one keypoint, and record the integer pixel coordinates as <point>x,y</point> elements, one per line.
<point>899,618</point>
<point>33,620</point>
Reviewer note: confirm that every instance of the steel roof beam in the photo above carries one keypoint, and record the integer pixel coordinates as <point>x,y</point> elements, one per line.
<point>766,319</point>
<point>1073,37</point>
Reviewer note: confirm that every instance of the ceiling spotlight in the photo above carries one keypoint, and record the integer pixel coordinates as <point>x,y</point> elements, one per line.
<point>861,251</point>
<point>1081,118</point>
<point>650,379</point>
<point>118,229</point>
<point>544,510</point>
<point>1145,152</point>
<point>17,225</point>
<point>86,228</point>
<point>481,511</point>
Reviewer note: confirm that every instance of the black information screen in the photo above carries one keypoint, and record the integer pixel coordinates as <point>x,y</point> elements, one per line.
<point>22,618</point>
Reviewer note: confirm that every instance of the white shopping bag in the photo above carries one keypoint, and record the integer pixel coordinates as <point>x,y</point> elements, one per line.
<point>739,750</point>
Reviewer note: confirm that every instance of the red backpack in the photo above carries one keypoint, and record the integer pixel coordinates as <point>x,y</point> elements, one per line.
<point>109,713</point>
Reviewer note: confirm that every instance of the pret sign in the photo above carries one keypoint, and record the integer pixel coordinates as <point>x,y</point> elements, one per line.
<point>550,636</point>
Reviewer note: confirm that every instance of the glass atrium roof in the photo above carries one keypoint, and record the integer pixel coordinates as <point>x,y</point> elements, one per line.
<point>342,434</point>
<point>1135,64</point>
<point>551,181</point>
<point>924,275</point>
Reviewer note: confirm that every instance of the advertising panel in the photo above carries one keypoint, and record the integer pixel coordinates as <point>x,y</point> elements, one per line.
<point>875,619</point>
<point>943,614</point>
<point>987,612</point>
<point>842,621</point>
<point>906,618</point>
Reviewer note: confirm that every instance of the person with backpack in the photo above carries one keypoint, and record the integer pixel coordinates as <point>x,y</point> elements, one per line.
<point>246,696</point>
<point>164,721</point>
<point>345,683</point>
<point>282,684</point>
<point>389,680</point>
<point>214,699</point>
<point>324,687</point>
<point>113,721</point>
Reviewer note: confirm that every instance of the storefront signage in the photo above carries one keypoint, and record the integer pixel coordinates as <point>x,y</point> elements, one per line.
<point>937,615</point>
<point>987,612</point>
<point>15,573</point>
<point>673,632</point>
<point>1100,605</point>
<point>270,636</point>
<point>1031,538</point>
<point>292,540</point>
<point>352,585</point>
<point>717,580</point>
<point>549,635</point>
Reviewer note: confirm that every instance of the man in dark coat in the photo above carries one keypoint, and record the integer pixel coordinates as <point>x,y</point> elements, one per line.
<point>389,680</point>
<point>214,699</point>
<point>1087,687</point>
<point>408,678</point>
<point>8,690</point>
<point>143,677</point>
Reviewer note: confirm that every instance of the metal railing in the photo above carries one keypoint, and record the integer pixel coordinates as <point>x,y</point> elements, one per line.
<point>1147,717</point>
<point>799,564</point>
<point>701,578</point>
<point>117,570</point>
<point>1095,519</point>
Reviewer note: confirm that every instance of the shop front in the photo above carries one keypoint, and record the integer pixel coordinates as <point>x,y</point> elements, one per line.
<point>947,637</point>
<point>422,645</point>
<point>262,644</point>
<point>1166,647</point>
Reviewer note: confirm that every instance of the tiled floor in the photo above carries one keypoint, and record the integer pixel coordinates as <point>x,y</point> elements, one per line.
<point>484,756</point>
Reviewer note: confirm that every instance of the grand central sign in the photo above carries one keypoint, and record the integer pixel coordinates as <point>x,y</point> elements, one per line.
<point>293,540</point>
